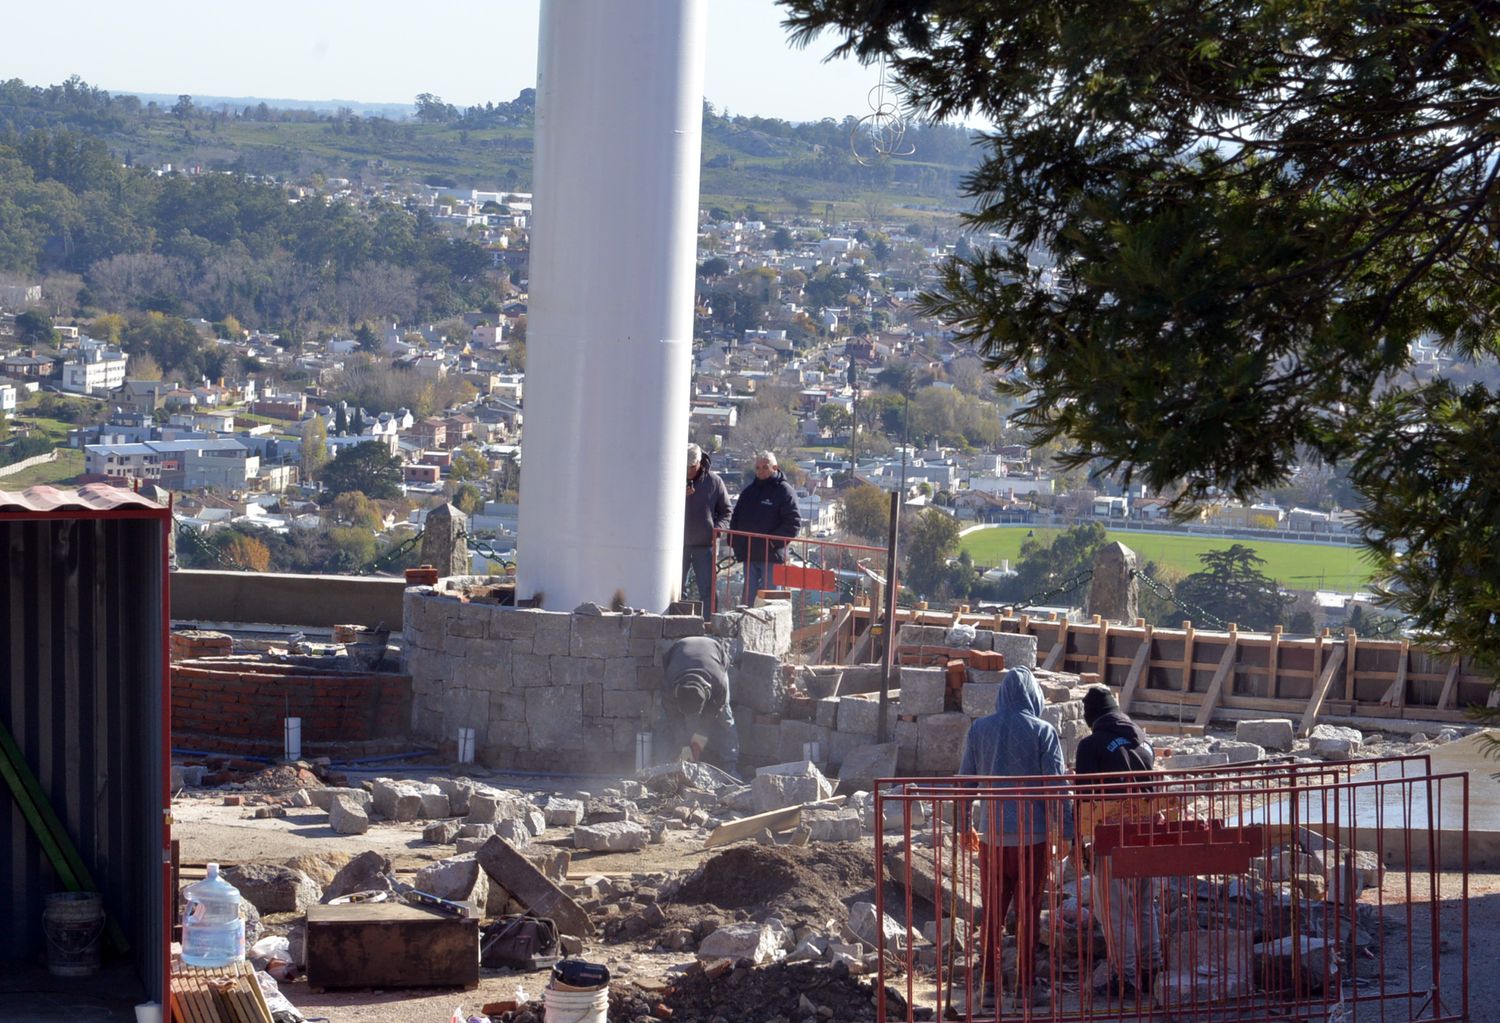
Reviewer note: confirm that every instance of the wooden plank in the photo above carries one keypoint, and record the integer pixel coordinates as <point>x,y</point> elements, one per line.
<point>1216,686</point>
<point>860,648</point>
<point>776,820</point>
<point>1450,685</point>
<point>1273,687</point>
<point>1137,670</point>
<point>1320,691</point>
<point>1053,657</point>
<point>1351,645</point>
<point>1104,652</point>
<point>831,637</point>
<point>1395,696</point>
<point>1187,657</point>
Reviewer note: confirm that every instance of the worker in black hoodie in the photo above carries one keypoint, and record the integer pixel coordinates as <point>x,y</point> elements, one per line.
<point>1117,748</point>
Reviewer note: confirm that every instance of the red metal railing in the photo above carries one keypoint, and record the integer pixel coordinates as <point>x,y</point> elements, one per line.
<point>1254,893</point>
<point>822,578</point>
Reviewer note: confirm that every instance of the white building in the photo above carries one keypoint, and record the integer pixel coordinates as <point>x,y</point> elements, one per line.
<point>7,401</point>
<point>98,368</point>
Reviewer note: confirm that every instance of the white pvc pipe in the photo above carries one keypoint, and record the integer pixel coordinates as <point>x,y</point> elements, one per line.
<point>610,316</point>
<point>291,734</point>
<point>466,745</point>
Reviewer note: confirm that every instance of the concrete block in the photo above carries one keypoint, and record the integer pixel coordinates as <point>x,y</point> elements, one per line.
<point>512,623</point>
<point>605,635</point>
<point>756,681</point>
<point>912,634</point>
<point>860,715</point>
<point>645,627</point>
<point>979,698</point>
<point>1271,733</point>
<point>347,817</point>
<point>923,690</point>
<point>1333,742</point>
<point>614,836</point>
<point>940,741</point>
<point>1019,650</point>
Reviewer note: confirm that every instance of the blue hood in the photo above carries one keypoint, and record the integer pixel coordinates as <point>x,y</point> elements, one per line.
<point>1014,741</point>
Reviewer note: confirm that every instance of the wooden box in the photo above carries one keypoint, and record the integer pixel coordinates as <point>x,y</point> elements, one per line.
<point>388,944</point>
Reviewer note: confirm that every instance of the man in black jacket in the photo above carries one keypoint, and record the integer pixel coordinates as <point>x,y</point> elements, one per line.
<point>1116,748</point>
<point>696,716</point>
<point>707,510</point>
<point>767,506</point>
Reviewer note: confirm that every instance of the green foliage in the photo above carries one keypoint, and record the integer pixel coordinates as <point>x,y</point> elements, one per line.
<point>1253,210</point>
<point>1432,476</point>
<point>469,463</point>
<point>1044,567</point>
<point>866,512</point>
<point>35,328</point>
<point>368,468</point>
<point>468,499</point>
<point>1232,588</point>
<point>314,447</point>
<point>928,540</point>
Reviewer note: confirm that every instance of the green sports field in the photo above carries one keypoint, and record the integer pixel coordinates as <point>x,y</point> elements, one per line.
<point>1296,566</point>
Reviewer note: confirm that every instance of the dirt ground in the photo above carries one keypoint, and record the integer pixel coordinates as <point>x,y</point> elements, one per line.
<point>749,881</point>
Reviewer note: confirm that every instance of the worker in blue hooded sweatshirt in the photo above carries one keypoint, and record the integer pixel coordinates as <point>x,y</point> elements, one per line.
<point>1014,836</point>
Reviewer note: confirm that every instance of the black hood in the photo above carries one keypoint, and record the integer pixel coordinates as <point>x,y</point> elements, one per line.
<point>1115,725</point>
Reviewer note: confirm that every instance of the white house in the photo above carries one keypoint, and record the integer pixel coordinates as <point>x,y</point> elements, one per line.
<point>7,400</point>
<point>98,368</point>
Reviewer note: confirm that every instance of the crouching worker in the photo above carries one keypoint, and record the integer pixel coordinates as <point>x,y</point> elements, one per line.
<point>697,720</point>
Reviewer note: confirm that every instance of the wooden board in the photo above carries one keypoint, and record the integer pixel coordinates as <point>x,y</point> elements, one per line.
<point>774,820</point>
<point>1320,692</point>
<point>1137,669</point>
<point>226,995</point>
<point>1215,687</point>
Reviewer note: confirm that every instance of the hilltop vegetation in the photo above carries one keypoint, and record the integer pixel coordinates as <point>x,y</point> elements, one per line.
<point>750,159</point>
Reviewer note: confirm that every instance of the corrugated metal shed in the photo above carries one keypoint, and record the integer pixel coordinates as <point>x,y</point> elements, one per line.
<point>83,630</point>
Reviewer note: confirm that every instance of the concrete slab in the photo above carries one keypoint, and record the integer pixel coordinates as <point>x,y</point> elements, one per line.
<point>1411,822</point>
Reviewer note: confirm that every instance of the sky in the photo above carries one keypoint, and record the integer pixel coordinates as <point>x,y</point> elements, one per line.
<point>385,51</point>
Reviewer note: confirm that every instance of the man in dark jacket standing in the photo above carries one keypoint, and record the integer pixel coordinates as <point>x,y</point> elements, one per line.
<point>767,506</point>
<point>1116,749</point>
<point>707,510</point>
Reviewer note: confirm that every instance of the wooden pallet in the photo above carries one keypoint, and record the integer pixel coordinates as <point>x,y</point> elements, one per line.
<point>230,994</point>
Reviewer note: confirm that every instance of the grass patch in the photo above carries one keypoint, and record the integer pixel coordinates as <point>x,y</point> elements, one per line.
<point>1296,566</point>
<point>68,466</point>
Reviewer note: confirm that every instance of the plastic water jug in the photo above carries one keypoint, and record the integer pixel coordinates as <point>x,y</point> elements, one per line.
<point>213,934</point>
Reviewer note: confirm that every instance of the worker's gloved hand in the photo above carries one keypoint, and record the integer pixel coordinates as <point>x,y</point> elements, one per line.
<point>969,841</point>
<point>697,744</point>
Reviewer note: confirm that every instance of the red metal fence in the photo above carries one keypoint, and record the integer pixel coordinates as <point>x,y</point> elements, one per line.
<point>1273,892</point>
<point>822,578</point>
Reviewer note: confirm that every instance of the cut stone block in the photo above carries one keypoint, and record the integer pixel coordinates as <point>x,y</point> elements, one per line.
<point>460,879</point>
<point>759,943</point>
<point>832,824</point>
<point>615,836</point>
<point>513,831</point>
<point>979,698</point>
<point>323,798</point>
<point>274,889</point>
<point>563,813</point>
<point>783,785</point>
<point>940,741</point>
<point>1333,742</point>
<point>864,765</point>
<point>868,924</point>
<point>1019,650</point>
<point>1270,733</point>
<point>1191,761</point>
<point>860,715</point>
<point>441,832</point>
<point>757,682</point>
<point>1241,752</point>
<point>531,888</point>
<point>476,830</point>
<point>923,691</point>
<point>395,800</point>
<point>347,817</point>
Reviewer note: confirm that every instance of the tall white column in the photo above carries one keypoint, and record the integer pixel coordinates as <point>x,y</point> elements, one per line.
<point>610,319</point>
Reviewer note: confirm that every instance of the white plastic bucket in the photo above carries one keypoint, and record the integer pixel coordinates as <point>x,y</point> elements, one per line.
<point>564,1006</point>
